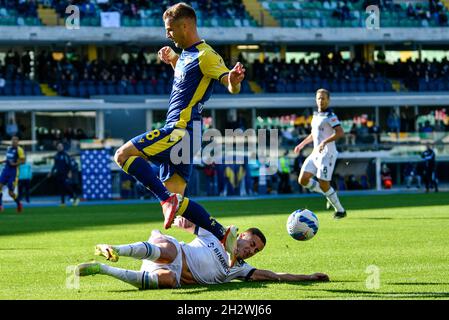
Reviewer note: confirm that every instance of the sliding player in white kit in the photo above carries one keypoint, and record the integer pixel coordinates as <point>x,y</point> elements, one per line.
<point>168,263</point>
<point>326,129</point>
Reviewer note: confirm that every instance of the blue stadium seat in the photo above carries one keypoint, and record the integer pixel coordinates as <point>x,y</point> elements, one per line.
<point>148,88</point>
<point>341,185</point>
<point>101,89</point>
<point>130,89</point>
<point>280,87</point>
<point>352,86</point>
<point>83,90</point>
<point>338,86</point>
<point>37,89</point>
<point>91,88</point>
<point>18,89</point>
<point>370,86</point>
<point>139,88</point>
<point>308,86</point>
<point>422,84</point>
<point>299,87</point>
<point>290,87</point>
<point>380,86</point>
<point>120,89</point>
<point>159,88</point>
<point>73,90</point>
<point>110,88</point>
<point>361,87</point>
<point>8,90</point>
<point>27,90</point>
<point>387,86</point>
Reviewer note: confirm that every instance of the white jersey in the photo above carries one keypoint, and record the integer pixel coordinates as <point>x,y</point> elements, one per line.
<point>208,260</point>
<point>323,124</point>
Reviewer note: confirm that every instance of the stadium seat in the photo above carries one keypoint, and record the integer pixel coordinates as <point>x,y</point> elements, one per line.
<point>130,89</point>
<point>139,88</point>
<point>8,90</point>
<point>120,89</point>
<point>27,90</point>
<point>83,90</point>
<point>91,88</point>
<point>101,89</point>
<point>110,88</point>
<point>73,90</point>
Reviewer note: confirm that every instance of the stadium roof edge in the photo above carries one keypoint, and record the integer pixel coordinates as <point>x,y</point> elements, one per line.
<point>255,35</point>
<point>260,101</point>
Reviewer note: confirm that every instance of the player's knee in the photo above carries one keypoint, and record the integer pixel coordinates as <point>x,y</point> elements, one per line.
<point>303,180</point>
<point>167,279</point>
<point>120,157</point>
<point>324,185</point>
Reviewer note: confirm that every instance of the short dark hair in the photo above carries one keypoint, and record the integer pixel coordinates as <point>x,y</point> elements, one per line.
<point>324,91</point>
<point>258,233</point>
<point>179,11</point>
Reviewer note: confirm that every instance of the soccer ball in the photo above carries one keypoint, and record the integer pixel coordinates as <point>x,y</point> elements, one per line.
<point>302,225</point>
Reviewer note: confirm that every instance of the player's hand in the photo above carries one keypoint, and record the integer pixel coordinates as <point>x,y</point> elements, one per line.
<point>298,149</point>
<point>319,277</point>
<point>321,146</point>
<point>167,54</point>
<point>182,223</point>
<point>237,74</point>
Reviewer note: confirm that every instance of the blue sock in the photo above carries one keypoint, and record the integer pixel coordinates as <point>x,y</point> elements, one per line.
<point>195,213</point>
<point>140,169</point>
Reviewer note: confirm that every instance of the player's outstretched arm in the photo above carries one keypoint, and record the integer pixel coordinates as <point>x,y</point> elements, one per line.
<point>303,143</point>
<point>234,78</point>
<point>267,275</point>
<point>168,56</point>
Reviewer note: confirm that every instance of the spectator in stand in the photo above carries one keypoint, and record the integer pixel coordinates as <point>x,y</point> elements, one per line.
<point>387,180</point>
<point>210,171</point>
<point>411,175</point>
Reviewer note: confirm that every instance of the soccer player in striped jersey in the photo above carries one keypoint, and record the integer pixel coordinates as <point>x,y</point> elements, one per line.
<point>196,70</point>
<point>326,129</point>
<point>15,156</point>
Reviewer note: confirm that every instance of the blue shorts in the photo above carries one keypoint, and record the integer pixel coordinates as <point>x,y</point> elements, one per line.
<point>157,145</point>
<point>9,178</point>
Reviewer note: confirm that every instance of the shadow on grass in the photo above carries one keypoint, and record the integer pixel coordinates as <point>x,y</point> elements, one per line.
<point>396,295</point>
<point>418,283</point>
<point>192,289</point>
<point>72,218</point>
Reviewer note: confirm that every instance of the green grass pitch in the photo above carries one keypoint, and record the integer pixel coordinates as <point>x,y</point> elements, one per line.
<point>404,239</point>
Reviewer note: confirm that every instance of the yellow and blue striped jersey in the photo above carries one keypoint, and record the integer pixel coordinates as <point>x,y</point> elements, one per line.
<point>12,155</point>
<point>197,68</point>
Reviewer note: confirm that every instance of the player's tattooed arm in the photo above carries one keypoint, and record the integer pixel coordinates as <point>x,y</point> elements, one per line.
<point>267,275</point>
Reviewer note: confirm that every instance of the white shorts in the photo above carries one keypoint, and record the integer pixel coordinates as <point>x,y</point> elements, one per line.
<point>175,266</point>
<point>320,166</point>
